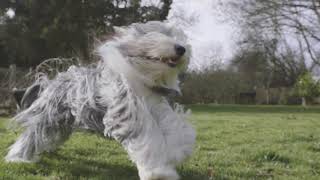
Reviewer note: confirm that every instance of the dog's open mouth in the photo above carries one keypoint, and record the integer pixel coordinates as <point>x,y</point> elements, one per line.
<point>172,62</point>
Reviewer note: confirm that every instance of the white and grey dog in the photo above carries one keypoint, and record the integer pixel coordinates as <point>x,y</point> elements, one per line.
<point>122,97</point>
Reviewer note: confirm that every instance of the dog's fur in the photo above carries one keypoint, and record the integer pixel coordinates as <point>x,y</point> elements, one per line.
<point>122,97</point>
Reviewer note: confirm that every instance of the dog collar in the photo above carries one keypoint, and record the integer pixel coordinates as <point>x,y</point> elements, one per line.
<point>165,91</point>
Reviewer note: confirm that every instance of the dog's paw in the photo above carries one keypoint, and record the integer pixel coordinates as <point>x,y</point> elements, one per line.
<point>164,173</point>
<point>18,160</point>
<point>14,158</point>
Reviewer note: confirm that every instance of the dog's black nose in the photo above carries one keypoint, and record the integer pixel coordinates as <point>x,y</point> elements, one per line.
<point>180,50</point>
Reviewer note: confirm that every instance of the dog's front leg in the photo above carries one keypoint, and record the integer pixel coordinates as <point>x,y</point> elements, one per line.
<point>131,124</point>
<point>178,132</point>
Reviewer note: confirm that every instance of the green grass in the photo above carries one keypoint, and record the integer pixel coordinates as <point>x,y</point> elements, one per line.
<point>233,142</point>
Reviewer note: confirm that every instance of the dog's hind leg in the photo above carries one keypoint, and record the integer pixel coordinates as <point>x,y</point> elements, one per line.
<point>38,137</point>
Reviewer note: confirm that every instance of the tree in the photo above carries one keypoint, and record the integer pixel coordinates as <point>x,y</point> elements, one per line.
<point>261,64</point>
<point>262,57</point>
<point>293,24</point>
<point>307,88</point>
<point>213,85</point>
<point>253,66</point>
<point>46,29</point>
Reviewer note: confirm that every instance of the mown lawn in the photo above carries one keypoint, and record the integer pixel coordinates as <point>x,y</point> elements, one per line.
<point>233,142</point>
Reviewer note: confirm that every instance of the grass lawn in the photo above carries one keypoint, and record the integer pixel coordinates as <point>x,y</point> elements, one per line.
<point>233,142</point>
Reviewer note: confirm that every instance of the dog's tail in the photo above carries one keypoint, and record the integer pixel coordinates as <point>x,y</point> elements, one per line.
<point>46,120</point>
<point>25,97</point>
<point>18,95</point>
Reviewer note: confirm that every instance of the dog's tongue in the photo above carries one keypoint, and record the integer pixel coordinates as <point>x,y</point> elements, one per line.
<point>172,63</point>
<point>174,60</point>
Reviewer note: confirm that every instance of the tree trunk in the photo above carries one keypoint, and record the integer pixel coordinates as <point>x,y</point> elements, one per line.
<point>304,102</point>
<point>268,96</point>
<point>12,76</point>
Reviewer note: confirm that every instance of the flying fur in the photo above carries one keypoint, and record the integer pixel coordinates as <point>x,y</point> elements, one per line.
<point>116,98</point>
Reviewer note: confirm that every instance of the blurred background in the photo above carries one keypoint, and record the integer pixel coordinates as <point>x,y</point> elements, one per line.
<point>244,52</point>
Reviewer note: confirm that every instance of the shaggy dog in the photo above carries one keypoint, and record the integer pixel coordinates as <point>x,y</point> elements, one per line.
<point>123,97</point>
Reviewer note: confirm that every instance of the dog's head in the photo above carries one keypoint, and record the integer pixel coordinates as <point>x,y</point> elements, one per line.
<point>154,43</point>
<point>156,51</point>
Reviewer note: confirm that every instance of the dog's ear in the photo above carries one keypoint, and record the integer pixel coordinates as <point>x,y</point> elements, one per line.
<point>119,30</point>
<point>128,31</point>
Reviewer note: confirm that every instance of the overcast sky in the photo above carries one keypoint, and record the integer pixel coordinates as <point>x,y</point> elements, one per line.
<point>210,36</point>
